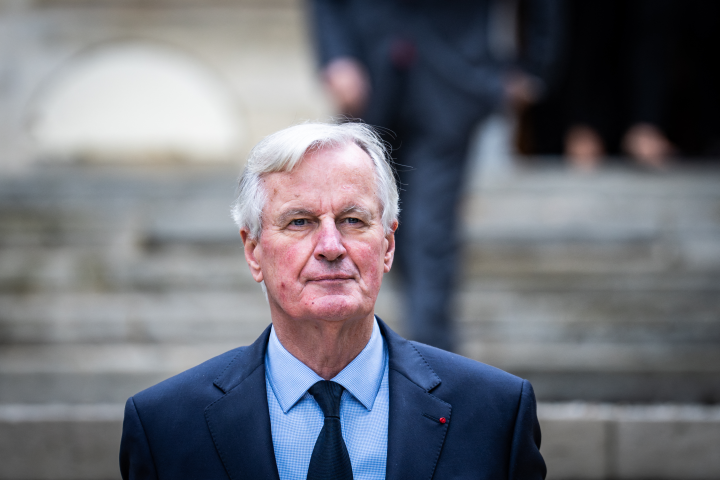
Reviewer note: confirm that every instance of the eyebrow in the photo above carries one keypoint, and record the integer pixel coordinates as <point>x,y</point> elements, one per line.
<point>303,212</point>
<point>357,209</point>
<point>295,212</point>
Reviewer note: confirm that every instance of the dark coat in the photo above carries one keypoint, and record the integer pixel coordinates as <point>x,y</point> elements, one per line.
<point>415,50</point>
<point>212,421</point>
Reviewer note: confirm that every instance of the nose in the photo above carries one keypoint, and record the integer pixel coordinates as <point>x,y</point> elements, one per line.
<point>329,246</point>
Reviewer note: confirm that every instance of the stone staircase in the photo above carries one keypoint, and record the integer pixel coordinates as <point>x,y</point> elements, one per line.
<point>114,279</point>
<point>601,288</point>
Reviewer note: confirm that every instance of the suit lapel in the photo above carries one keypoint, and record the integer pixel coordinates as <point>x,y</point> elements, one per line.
<point>239,421</point>
<point>416,432</point>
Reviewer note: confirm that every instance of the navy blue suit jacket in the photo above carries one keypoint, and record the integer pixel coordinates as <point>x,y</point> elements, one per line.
<point>212,421</point>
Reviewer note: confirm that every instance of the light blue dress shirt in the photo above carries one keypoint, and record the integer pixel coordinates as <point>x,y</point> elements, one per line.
<point>296,419</point>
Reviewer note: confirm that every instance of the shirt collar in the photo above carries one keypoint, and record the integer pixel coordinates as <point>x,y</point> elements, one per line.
<point>289,378</point>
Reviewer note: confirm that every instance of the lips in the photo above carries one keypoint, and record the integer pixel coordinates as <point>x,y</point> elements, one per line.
<point>341,273</point>
<point>330,278</point>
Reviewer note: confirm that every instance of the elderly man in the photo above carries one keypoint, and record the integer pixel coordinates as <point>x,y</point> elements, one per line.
<point>329,391</point>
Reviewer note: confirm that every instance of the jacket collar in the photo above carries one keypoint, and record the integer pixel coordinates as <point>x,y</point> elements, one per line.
<point>407,361</point>
<point>418,420</point>
<point>239,421</point>
<point>244,363</point>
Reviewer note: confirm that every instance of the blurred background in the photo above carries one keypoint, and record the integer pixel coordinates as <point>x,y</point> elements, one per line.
<point>590,220</point>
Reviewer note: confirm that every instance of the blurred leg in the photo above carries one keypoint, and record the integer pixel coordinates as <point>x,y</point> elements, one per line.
<point>427,238</point>
<point>584,148</point>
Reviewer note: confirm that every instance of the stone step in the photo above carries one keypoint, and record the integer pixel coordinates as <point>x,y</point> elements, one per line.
<point>607,207</point>
<point>92,206</point>
<point>182,316</point>
<point>647,310</point>
<point>535,211</point>
<point>580,441</point>
<point>60,442</point>
<point>609,372</point>
<point>529,252</point>
<point>96,373</point>
<point>170,268</point>
<point>620,314</point>
<point>537,195</point>
<point>604,441</point>
<point>131,317</point>
<point>222,267</point>
<point>182,266</point>
<point>616,221</point>
<point>611,182</point>
<point>82,373</point>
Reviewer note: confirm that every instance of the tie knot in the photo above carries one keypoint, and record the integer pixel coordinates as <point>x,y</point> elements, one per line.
<point>327,394</point>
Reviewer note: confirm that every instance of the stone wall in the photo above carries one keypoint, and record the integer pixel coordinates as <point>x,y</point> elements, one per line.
<point>258,54</point>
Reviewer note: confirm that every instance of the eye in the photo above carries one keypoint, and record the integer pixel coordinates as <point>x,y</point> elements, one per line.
<point>299,222</point>
<point>353,220</point>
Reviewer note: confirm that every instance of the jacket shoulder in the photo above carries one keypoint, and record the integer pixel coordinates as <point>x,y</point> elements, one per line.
<point>494,419</point>
<point>464,376</point>
<point>211,378</point>
<point>191,382</point>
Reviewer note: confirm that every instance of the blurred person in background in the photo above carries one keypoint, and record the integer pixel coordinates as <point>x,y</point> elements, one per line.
<point>613,95</point>
<point>619,81</point>
<point>429,72</point>
<point>694,124</point>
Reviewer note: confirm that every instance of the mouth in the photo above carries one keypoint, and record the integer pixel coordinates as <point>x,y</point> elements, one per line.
<point>331,278</point>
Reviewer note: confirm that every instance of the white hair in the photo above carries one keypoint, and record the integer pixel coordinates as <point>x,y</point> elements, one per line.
<point>283,150</point>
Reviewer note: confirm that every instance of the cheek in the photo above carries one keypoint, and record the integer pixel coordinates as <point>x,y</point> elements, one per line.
<point>285,262</point>
<point>370,262</point>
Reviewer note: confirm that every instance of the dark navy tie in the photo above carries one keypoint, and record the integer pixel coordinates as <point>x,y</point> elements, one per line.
<point>330,459</point>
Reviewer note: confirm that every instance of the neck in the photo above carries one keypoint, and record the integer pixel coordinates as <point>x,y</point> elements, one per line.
<point>325,346</point>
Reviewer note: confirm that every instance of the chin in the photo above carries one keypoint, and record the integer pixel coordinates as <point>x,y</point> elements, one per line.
<point>337,307</point>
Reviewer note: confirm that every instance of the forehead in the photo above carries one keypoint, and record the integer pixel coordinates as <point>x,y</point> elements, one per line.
<point>344,162</point>
<point>326,174</point>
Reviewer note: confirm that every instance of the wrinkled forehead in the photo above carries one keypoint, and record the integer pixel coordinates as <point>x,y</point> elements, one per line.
<point>330,172</point>
<point>336,151</point>
<point>332,162</point>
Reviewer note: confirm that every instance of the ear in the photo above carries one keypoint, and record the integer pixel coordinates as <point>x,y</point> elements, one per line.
<point>252,253</point>
<point>390,251</point>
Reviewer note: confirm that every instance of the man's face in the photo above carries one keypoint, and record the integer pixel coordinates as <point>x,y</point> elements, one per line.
<point>322,252</point>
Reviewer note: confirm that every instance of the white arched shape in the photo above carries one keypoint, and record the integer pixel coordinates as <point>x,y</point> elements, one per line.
<point>138,101</point>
